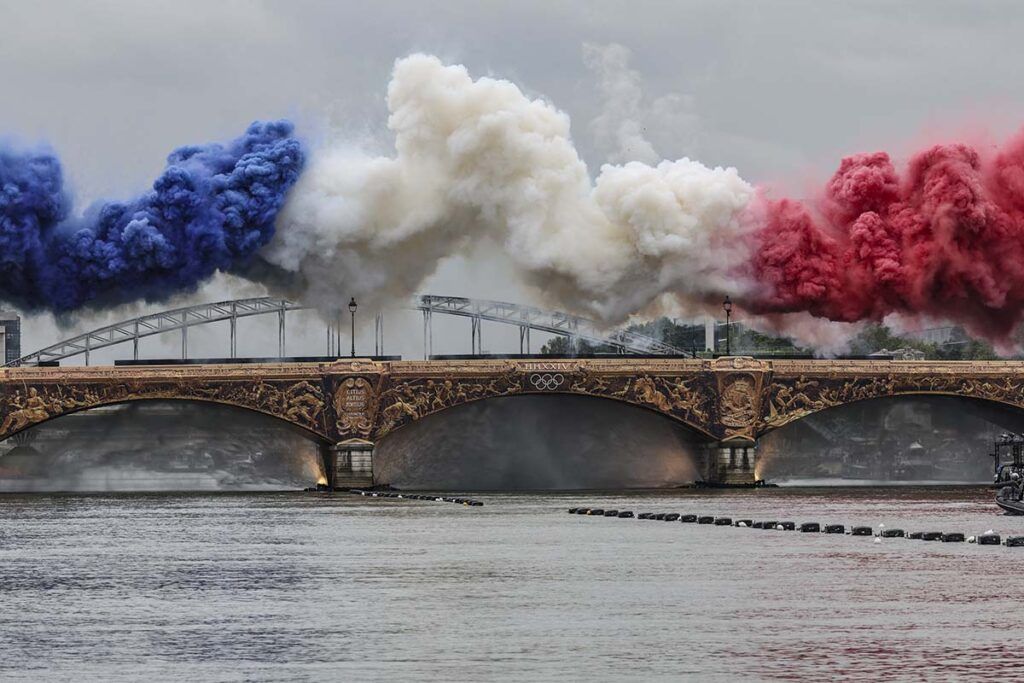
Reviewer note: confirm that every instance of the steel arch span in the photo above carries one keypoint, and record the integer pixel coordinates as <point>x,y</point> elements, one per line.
<point>526,318</point>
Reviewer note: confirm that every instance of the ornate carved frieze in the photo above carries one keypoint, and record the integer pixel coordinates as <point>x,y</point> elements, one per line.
<point>789,397</point>
<point>726,398</point>
<point>298,401</point>
<point>411,398</point>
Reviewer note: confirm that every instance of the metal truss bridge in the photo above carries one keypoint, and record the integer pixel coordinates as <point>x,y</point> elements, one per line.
<point>180,320</point>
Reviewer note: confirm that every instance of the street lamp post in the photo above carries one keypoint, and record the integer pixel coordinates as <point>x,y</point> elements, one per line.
<point>352,309</point>
<point>727,305</point>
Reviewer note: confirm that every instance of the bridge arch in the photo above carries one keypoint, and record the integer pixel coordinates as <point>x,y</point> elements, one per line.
<point>388,427</point>
<point>683,399</point>
<point>298,402</point>
<point>552,441</point>
<point>180,320</point>
<point>787,399</point>
<point>305,430</point>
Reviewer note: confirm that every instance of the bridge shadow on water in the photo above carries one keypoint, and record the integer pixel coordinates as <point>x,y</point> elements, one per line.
<point>539,443</point>
<point>159,446</point>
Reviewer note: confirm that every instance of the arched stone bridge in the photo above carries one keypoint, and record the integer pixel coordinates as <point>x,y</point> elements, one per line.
<point>349,405</point>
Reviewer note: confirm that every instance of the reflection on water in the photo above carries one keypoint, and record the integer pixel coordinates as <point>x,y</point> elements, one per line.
<point>304,587</point>
<point>159,445</point>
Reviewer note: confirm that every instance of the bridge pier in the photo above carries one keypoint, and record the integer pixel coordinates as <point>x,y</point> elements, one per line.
<point>349,464</point>
<point>731,463</point>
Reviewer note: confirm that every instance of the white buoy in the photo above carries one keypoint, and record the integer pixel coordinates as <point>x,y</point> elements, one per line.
<point>779,527</point>
<point>989,532</point>
<point>881,526</point>
<point>972,539</point>
<point>877,539</point>
<point>742,524</point>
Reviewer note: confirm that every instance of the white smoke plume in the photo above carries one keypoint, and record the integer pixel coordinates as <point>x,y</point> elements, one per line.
<point>476,160</point>
<point>622,88</point>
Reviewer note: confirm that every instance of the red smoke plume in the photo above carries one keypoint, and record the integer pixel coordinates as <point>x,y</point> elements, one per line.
<point>944,240</point>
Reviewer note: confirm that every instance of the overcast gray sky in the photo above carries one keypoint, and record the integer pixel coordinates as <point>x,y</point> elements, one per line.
<point>781,90</point>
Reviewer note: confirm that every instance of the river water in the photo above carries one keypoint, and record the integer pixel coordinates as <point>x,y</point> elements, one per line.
<point>292,586</point>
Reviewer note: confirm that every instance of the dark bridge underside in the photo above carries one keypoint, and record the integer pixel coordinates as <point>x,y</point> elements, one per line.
<point>540,442</point>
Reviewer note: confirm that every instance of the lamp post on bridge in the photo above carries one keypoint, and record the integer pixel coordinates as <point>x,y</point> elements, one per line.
<point>727,305</point>
<point>352,309</point>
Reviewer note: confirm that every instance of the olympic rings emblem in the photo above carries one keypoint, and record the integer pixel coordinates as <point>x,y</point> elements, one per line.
<point>547,381</point>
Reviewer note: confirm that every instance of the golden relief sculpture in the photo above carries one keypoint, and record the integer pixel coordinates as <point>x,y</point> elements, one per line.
<point>725,398</point>
<point>409,399</point>
<point>299,401</point>
<point>791,398</point>
<point>354,403</point>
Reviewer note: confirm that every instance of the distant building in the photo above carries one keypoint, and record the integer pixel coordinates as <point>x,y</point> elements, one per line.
<point>10,336</point>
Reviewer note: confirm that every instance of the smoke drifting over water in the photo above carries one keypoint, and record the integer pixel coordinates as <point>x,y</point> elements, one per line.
<point>539,443</point>
<point>210,210</point>
<point>944,239</point>
<point>159,446</point>
<point>478,161</point>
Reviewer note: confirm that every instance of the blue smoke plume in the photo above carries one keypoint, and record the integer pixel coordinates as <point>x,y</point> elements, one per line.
<point>211,209</point>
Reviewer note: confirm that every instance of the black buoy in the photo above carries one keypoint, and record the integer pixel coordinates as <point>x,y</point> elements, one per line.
<point>757,525</point>
<point>672,517</point>
<point>769,525</point>
<point>835,529</point>
<point>1014,541</point>
<point>625,514</point>
<point>891,533</point>
<point>597,512</point>
<point>611,513</point>
<point>572,511</point>
<point>659,516</point>
<point>931,535</point>
<point>810,527</point>
<point>723,521</point>
<point>914,535</point>
<point>989,539</point>
<point>953,537</point>
<point>644,515</point>
<point>689,519</point>
<point>861,531</point>
<point>705,519</point>
<point>787,526</point>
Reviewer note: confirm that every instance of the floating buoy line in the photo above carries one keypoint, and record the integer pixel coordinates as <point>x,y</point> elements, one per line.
<point>987,538</point>
<point>468,502</point>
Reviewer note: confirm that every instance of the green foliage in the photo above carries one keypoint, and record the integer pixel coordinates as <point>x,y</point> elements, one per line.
<point>876,337</point>
<point>559,346</point>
